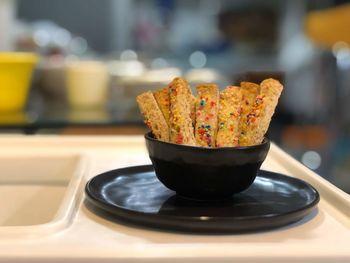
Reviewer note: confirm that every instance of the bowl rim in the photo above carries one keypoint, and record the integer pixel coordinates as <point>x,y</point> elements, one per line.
<point>265,142</point>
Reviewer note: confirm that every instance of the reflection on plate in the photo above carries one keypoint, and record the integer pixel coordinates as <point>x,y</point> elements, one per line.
<point>135,195</point>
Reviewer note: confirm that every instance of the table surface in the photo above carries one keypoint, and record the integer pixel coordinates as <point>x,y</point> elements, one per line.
<point>323,236</point>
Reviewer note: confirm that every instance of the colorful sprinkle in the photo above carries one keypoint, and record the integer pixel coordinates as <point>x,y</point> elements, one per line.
<point>179,139</point>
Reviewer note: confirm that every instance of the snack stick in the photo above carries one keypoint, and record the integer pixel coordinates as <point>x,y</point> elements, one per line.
<point>153,116</point>
<point>249,92</point>
<point>258,120</point>
<point>193,108</point>
<point>229,117</point>
<point>207,103</point>
<point>162,98</point>
<point>181,126</point>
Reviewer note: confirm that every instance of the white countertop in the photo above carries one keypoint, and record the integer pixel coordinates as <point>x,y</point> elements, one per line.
<point>323,236</point>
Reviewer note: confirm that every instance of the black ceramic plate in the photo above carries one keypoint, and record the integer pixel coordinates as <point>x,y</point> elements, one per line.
<point>135,195</point>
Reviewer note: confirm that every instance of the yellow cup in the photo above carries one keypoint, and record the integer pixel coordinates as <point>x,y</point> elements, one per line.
<point>16,70</point>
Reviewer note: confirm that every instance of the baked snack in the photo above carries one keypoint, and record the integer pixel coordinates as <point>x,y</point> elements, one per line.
<point>181,126</point>
<point>259,117</point>
<point>238,116</point>
<point>162,98</point>
<point>192,100</point>
<point>229,117</point>
<point>153,116</point>
<point>249,92</point>
<point>206,115</point>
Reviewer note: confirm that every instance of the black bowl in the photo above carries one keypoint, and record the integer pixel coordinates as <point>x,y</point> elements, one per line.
<point>205,173</point>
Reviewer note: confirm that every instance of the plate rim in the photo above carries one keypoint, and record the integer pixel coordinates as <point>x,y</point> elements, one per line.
<point>101,203</point>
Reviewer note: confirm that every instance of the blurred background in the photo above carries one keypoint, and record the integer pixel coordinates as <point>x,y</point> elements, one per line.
<point>94,56</point>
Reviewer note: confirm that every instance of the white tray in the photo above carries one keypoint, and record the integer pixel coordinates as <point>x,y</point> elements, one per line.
<point>39,192</point>
<point>321,237</point>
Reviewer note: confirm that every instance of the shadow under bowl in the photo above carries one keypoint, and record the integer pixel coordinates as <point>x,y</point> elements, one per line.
<point>205,173</point>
